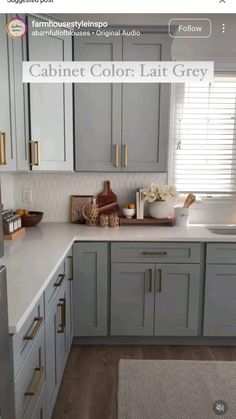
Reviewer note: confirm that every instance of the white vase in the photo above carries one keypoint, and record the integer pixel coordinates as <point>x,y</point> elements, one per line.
<point>159,209</point>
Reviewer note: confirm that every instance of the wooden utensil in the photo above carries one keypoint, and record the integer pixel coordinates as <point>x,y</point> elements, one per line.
<point>191,198</point>
<point>107,200</point>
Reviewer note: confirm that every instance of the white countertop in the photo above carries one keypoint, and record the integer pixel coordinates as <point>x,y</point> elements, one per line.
<point>31,262</point>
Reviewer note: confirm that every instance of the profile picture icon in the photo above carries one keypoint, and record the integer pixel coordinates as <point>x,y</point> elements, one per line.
<point>16,28</point>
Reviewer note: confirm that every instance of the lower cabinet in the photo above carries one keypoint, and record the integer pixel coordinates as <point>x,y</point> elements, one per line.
<point>155,299</point>
<point>55,347</point>
<point>220,301</point>
<point>90,267</point>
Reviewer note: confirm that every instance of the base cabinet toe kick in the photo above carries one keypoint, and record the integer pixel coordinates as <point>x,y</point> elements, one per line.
<point>122,292</point>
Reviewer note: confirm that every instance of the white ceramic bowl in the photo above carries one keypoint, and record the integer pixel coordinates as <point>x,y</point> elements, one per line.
<point>128,212</point>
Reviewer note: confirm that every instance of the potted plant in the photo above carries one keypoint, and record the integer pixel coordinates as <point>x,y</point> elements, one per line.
<point>161,199</point>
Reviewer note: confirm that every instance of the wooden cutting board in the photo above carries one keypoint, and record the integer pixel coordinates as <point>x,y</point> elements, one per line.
<point>107,198</point>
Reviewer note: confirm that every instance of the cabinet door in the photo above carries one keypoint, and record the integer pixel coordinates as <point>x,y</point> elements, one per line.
<point>145,108</point>
<point>69,300</point>
<point>220,301</point>
<point>177,292</point>
<point>51,113</point>
<point>55,342</point>
<point>90,289</point>
<point>7,125</point>
<point>132,299</point>
<point>97,110</point>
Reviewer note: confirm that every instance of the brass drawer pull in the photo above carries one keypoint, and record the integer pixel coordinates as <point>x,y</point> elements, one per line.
<point>154,253</point>
<point>39,321</point>
<point>126,155</point>
<point>150,280</point>
<point>160,280</point>
<point>3,149</point>
<point>117,159</point>
<point>60,279</point>
<point>34,161</point>
<point>36,380</point>
<point>62,305</point>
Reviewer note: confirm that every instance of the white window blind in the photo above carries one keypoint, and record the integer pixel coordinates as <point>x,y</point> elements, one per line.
<point>205,137</point>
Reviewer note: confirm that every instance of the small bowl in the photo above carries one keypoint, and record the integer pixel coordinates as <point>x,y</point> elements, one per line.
<point>128,212</point>
<point>31,219</point>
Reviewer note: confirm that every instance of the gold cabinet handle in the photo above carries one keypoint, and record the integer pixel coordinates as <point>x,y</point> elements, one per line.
<point>60,279</point>
<point>35,157</point>
<point>150,280</point>
<point>3,149</point>
<point>154,253</point>
<point>160,280</point>
<point>126,155</point>
<point>36,380</point>
<point>117,158</point>
<point>62,305</point>
<point>38,322</point>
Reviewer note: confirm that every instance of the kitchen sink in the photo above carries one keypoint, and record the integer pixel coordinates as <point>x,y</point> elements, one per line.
<point>222,230</point>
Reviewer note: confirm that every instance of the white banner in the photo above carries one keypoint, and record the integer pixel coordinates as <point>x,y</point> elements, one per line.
<point>118,72</point>
<point>121,6</point>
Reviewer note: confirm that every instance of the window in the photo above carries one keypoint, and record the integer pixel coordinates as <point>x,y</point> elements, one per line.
<point>204,134</point>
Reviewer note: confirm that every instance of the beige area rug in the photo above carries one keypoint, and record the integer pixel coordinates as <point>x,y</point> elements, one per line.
<point>176,389</point>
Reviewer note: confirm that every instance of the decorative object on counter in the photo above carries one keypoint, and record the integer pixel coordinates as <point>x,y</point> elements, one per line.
<point>104,220</point>
<point>114,221</point>
<point>182,213</point>
<point>129,210</point>
<point>147,221</point>
<point>77,202</point>
<point>160,199</point>
<point>107,200</point>
<point>140,199</point>
<point>191,198</point>
<point>91,214</point>
<point>181,216</point>
<point>12,225</point>
<point>32,218</point>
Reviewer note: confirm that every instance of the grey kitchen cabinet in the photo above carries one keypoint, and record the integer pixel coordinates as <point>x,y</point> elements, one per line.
<point>55,347</point>
<point>177,298</point>
<point>159,300</point>
<point>90,267</point>
<point>122,127</point>
<point>97,110</point>
<point>132,299</point>
<point>51,106</point>
<point>220,300</point>
<point>7,122</point>
<point>69,300</point>
<point>145,108</point>
<point>40,410</point>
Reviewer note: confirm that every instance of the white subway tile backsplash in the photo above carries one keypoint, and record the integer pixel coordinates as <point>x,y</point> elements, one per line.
<point>51,191</point>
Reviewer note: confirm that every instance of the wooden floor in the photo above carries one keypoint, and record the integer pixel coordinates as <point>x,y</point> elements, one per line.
<point>89,386</point>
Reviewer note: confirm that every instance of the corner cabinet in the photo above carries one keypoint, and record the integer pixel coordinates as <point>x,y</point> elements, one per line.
<point>90,289</point>
<point>122,127</point>
<point>7,122</point>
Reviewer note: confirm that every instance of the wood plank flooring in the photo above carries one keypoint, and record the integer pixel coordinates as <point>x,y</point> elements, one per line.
<point>89,386</point>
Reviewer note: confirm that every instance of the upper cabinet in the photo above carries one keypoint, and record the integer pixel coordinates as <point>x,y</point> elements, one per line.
<point>145,108</point>
<point>97,110</point>
<point>7,122</point>
<point>50,107</point>
<point>122,127</point>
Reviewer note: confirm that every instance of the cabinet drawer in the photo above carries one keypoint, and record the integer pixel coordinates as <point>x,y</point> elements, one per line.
<point>30,381</point>
<point>24,340</point>
<point>156,252</point>
<point>221,253</point>
<point>53,287</point>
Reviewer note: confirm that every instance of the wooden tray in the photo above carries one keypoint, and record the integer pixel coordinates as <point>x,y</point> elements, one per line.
<point>147,221</point>
<point>19,234</point>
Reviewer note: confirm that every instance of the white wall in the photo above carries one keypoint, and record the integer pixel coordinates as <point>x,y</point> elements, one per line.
<point>51,192</point>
